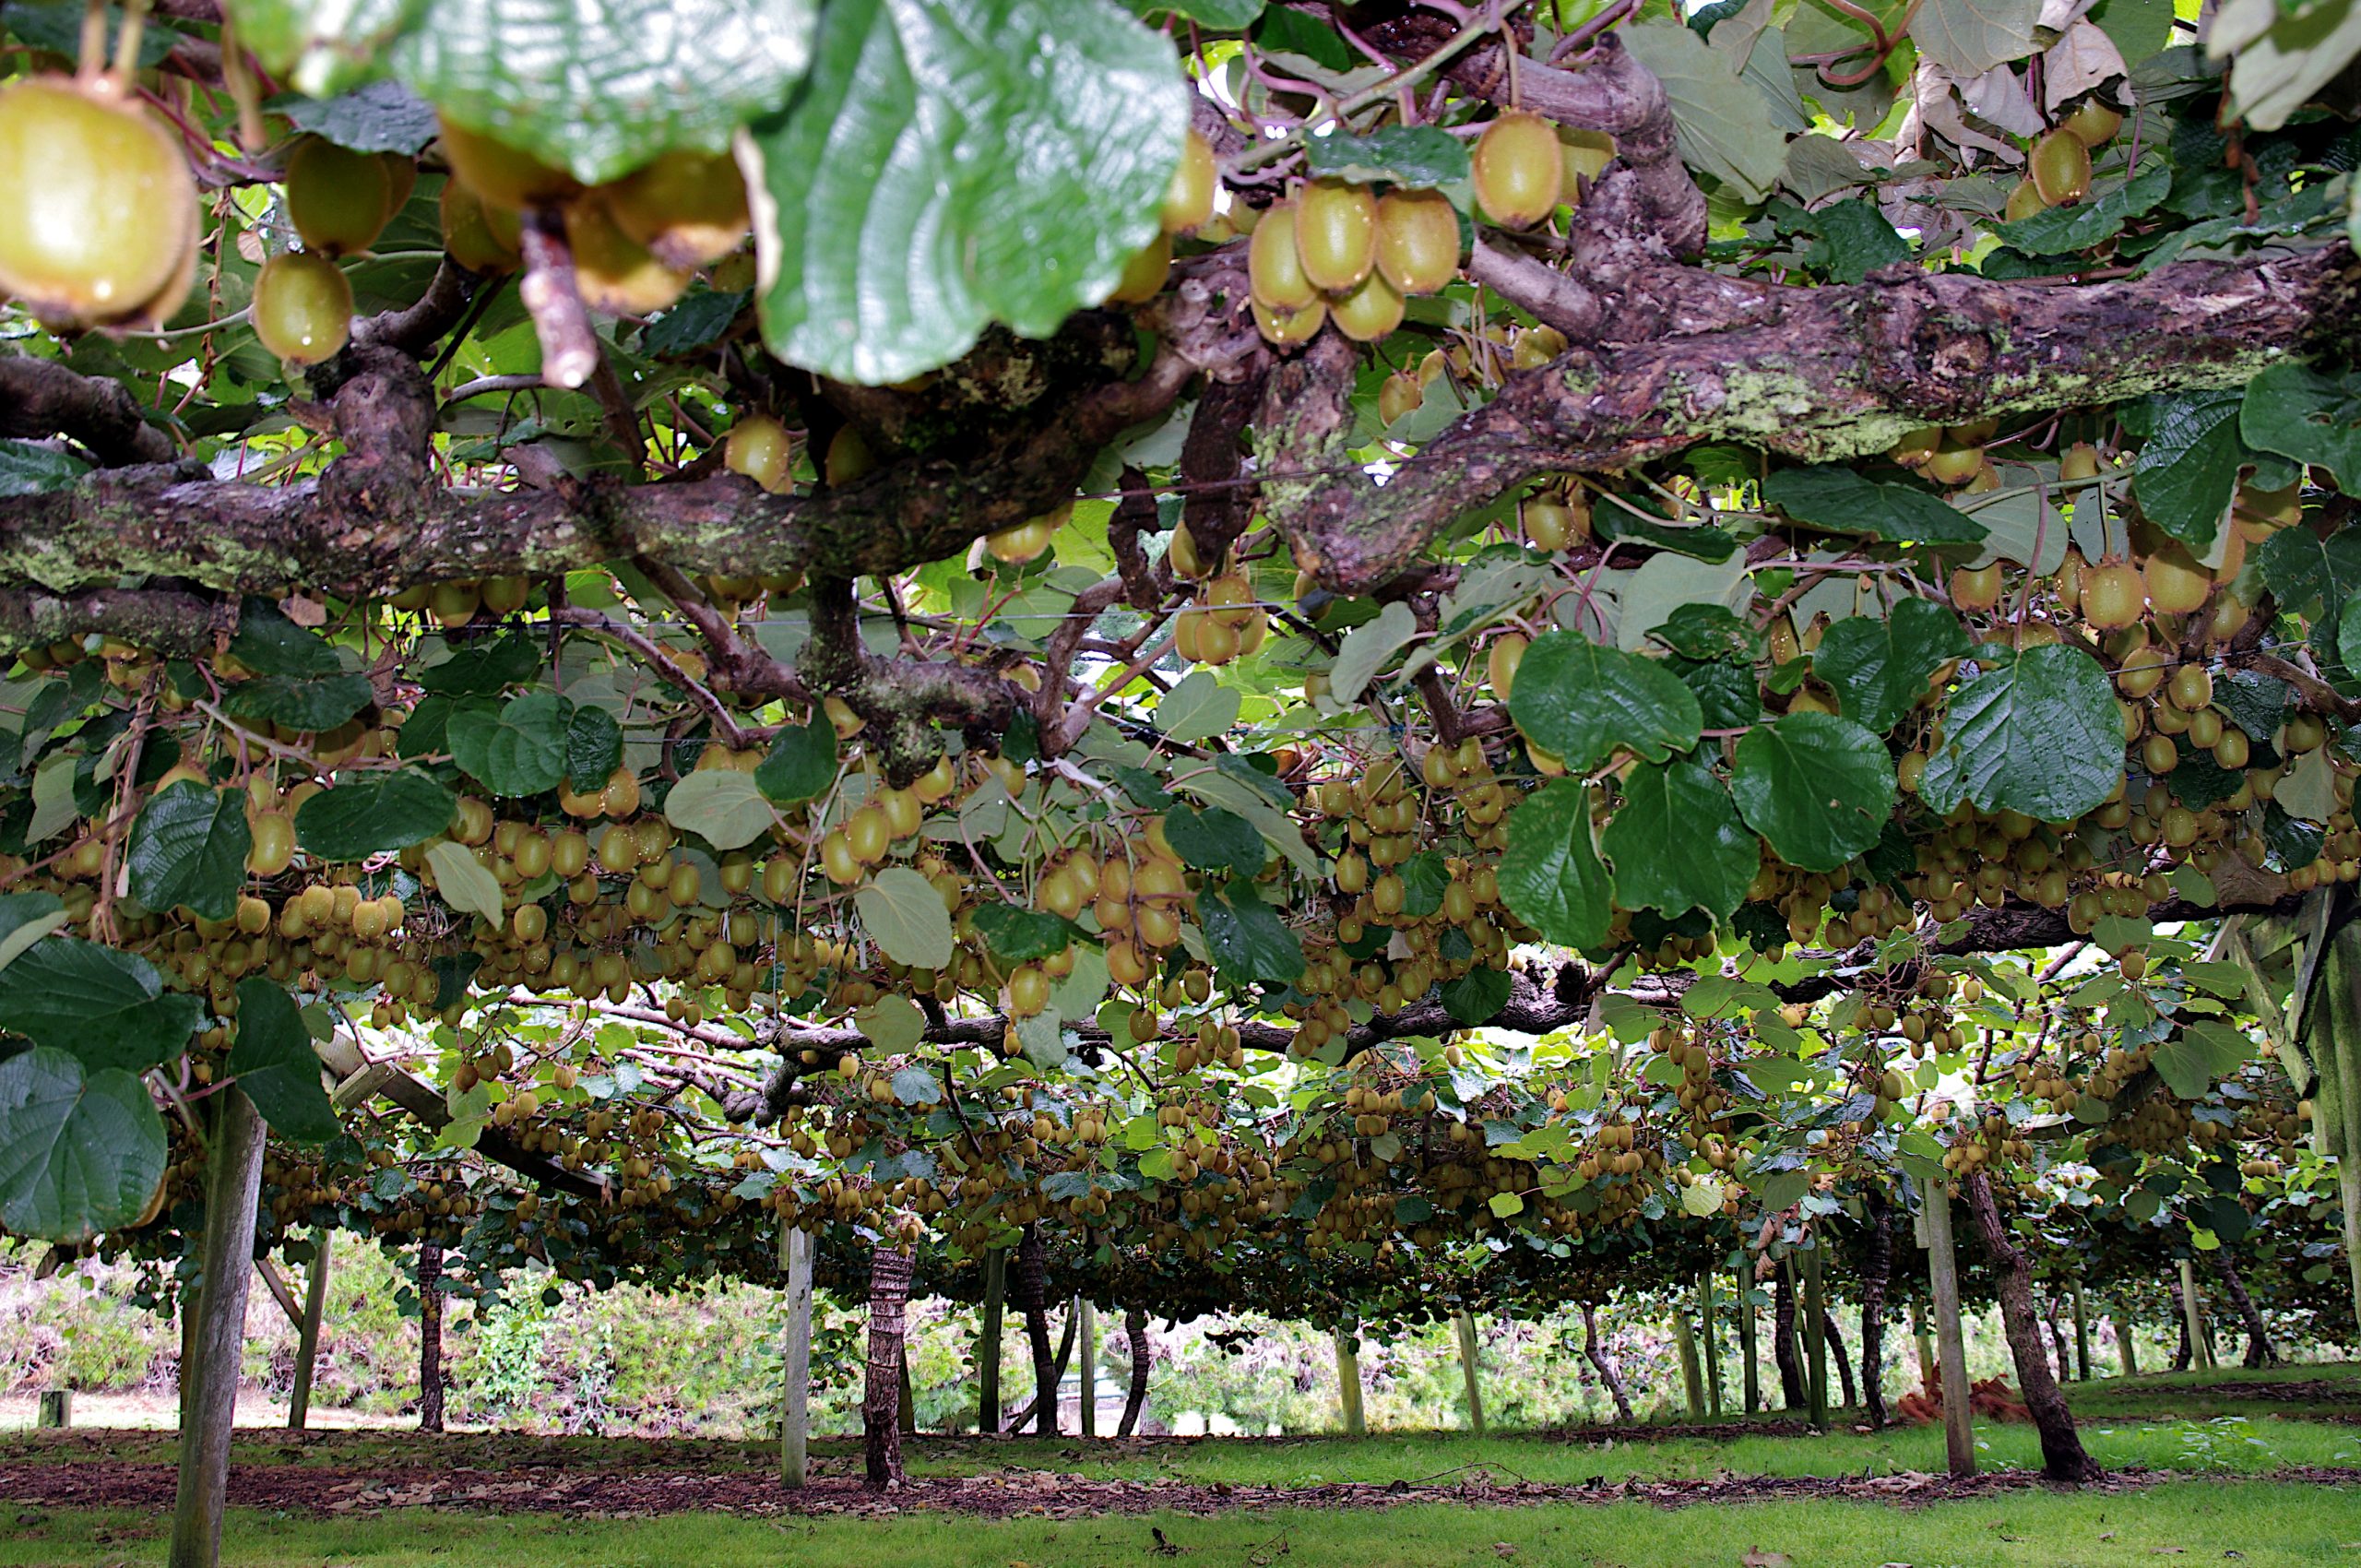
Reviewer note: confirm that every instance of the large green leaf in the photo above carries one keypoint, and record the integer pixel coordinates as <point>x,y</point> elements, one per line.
<point>2040,734</point>
<point>79,1153</point>
<point>105,1005</point>
<point>903,915</point>
<point>1550,874</point>
<point>189,847</point>
<point>1198,709</point>
<point>1842,501</point>
<point>1019,935</point>
<point>1724,119</point>
<point>720,805</point>
<point>1818,788</point>
<point>596,87</point>
<point>2062,231</point>
<point>2298,412</point>
<point>368,813</point>
<point>948,165</point>
<point>594,747</point>
<point>274,1063</point>
<point>1583,702</point>
<point>25,918</point>
<point>801,762</point>
<point>1968,37</point>
<point>2199,1054</point>
<point>517,749</point>
<point>2188,467</point>
<point>1215,839</point>
<point>297,702</point>
<point>1677,842</point>
<point>1246,938</point>
<point>1880,669</point>
<point>463,882</point>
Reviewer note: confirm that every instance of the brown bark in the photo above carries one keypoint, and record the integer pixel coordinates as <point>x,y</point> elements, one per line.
<point>1031,1286</point>
<point>2063,1456</point>
<point>1604,1365</point>
<point>40,398</point>
<point>1836,1354</point>
<point>1783,1341</point>
<point>2259,1350</point>
<point>889,1290</point>
<point>1874,1279</point>
<point>2184,1353</point>
<point>430,1335</point>
<point>1142,1356</point>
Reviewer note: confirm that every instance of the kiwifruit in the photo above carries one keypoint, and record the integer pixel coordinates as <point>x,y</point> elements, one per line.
<point>615,273</point>
<point>1189,200</point>
<point>502,174</point>
<point>101,211</point>
<point>686,209</point>
<point>1418,241</point>
<point>1368,312</point>
<point>2093,122</point>
<point>2059,166</point>
<point>1143,275</point>
<point>338,200</point>
<point>1519,170</point>
<point>1286,329</point>
<point>760,448</point>
<point>1274,270</point>
<point>302,307</point>
<point>480,238</point>
<point>1336,234</point>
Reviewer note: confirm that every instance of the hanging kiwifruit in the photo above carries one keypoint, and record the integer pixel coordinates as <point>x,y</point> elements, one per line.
<point>687,209</point>
<point>615,273</point>
<point>338,200</point>
<point>1336,234</point>
<point>102,213</point>
<point>2059,165</point>
<point>302,307</point>
<point>1418,241</point>
<point>1369,311</point>
<point>1274,269</point>
<point>477,237</point>
<point>1189,200</point>
<point>1519,170</point>
<point>500,173</point>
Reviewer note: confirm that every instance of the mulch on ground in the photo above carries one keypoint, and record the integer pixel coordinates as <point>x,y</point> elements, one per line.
<point>1007,1494</point>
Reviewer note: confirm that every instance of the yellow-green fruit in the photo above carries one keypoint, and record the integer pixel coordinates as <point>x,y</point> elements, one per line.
<point>1286,329</point>
<point>2060,166</point>
<point>1398,395</point>
<point>2112,595</point>
<point>1026,540</point>
<point>760,448</point>
<point>2177,583</point>
<point>1189,200</point>
<point>500,173</point>
<point>614,272</point>
<point>302,307</point>
<point>1976,588</point>
<point>848,456</point>
<point>2093,123</point>
<point>1418,241</point>
<point>1143,275</point>
<point>2024,200</point>
<point>1370,311</point>
<point>101,211</point>
<point>1553,525</point>
<point>338,200</point>
<point>1507,655</point>
<point>480,238</point>
<point>1519,170</point>
<point>1953,465</point>
<point>1274,270</point>
<point>686,209</point>
<point>1335,234</point>
<point>2078,464</point>
<point>1586,154</point>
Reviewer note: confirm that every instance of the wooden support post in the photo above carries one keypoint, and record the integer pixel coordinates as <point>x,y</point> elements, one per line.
<point>1924,1342</point>
<point>2124,1348</point>
<point>279,1293</point>
<point>1815,1311</point>
<point>1087,1359</point>
<point>1705,1328</point>
<point>1750,1363</point>
<point>2082,1337</point>
<point>795,1423</point>
<point>1469,1368</point>
<point>56,1409</point>
<point>1692,1381</point>
<point>988,1343</point>
<point>307,1333</point>
<point>2200,1349</point>
<point>209,1404</point>
<point>1942,1265</point>
<point>1348,1385</point>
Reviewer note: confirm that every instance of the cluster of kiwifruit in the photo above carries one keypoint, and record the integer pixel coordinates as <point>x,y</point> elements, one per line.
<point>1224,619</point>
<point>2057,165</point>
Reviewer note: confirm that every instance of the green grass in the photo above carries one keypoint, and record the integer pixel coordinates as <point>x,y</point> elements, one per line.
<point>2261,1524</point>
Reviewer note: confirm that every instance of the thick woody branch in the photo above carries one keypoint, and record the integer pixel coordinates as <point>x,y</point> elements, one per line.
<point>40,398</point>
<point>1819,374</point>
<point>183,625</point>
<point>902,700</point>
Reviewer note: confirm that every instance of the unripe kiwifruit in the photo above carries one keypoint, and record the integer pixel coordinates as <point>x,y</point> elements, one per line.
<point>2177,583</point>
<point>102,213</point>
<point>615,273</point>
<point>760,448</point>
<point>1189,200</point>
<point>1336,234</point>
<point>302,307</point>
<point>338,200</point>
<point>501,175</point>
<point>1370,311</point>
<point>2059,165</point>
<point>2093,122</point>
<point>2024,200</point>
<point>2112,595</point>
<point>687,209</point>
<point>1275,272</point>
<point>1418,241</point>
<point>1143,275</point>
<point>1286,329</point>
<point>480,238</point>
<point>1519,170</point>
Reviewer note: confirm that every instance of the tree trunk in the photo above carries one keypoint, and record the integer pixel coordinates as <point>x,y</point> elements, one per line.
<point>1874,1278</point>
<point>2063,1457</point>
<point>2057,1340</point>
<point>1471,1369</point>
<point>1143,1354</point>
<point>2258,1350</point>
<point>1708,1331</point>
<point>1604,1365</point>
<point>209,1375</point>
<point>1749,1364</point>
<point>988,1343</point>
<point>1348,1385</point>
<point>430,1335</point>
<point>907,1402</point>
<point>1846,1394</point>
<point>2124,1348</point>
<point>2192,1313</point>
<point>2335,1032</point>
<point>1943,1270</point>
<point>1058,1360</point>
<point>889,1290</point>
<point>2185,1353</point>
<point>1783,1339</point>
<point>307,1335</point>
<point>1924,1343</point>
<point>796,1248</point>
<point>1086,1384</point>
<point>2081,1335</point>
<point>1692,1380</point>
<point>1032,1300</point>
<point>1814,1307</point>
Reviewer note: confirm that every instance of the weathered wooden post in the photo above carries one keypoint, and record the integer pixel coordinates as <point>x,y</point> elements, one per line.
<point>988,1343</point>
<point>1468,1366</point>
<point>307,1333</point>
<point>1705,1328</point>
<point>1750,1363</point>
<point>1086,1354</point>
<point>1815,1311</point>
<point>795,1423</point>
<point>209,1399</point>
<point>1942,1265</point>
<point>56,1409</point>
<point>1348,1385</point>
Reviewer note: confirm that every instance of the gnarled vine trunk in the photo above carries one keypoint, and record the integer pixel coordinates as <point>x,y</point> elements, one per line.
<point>1603,1363</point>
<point>1142,1355</point>
<point>2258,1350</point>
<point>1875,1274</point>
<point>1032,1300</point>
<point>889,1291</point>
<point>1783,1341</point>
<point>430,1337</point>
<point>1836,1353</point>
<point>2063,1457</point>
